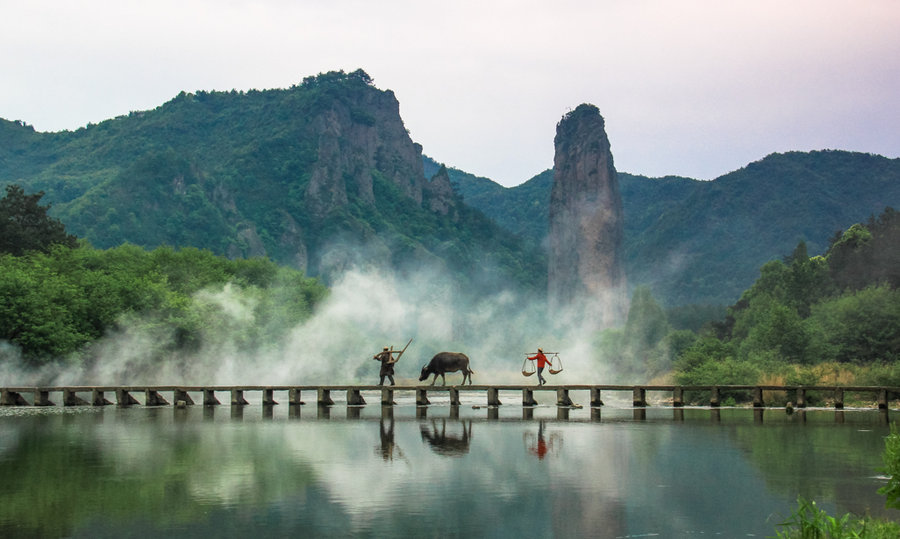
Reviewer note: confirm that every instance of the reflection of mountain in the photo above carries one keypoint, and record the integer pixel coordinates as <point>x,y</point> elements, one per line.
<point>103,473</point>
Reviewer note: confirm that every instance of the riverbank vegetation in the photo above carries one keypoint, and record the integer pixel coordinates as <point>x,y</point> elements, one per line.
<point>58,296</point>
<point>821,320</point>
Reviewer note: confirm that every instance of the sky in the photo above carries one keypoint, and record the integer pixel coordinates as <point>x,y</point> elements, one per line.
<point>695,88</point>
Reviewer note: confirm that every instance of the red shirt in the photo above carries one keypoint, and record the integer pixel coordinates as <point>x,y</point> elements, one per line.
<point>542,360</point>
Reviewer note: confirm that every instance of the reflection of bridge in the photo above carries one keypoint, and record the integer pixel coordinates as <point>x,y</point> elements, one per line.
<point>125,395</point>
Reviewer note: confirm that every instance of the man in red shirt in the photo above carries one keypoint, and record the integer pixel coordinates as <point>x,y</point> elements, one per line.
<point>542,362</point>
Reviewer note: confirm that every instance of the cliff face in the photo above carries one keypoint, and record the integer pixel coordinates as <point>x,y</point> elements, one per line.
<point>357,135</point>
<point>586,265</point>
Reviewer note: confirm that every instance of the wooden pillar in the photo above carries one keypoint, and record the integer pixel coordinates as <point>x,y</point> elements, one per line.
<point>714,399</point>
<point>454,396</point>
<point>237,397</point>
<point>97,398</point>
<point>153,398</point>
<point>42,397</point>
<point>882,399</point>
<point>71,399</point>
<point>493,396</point>
<point>354,397</point>
<point>324,397</point>
<point>838,398</point>
<point>528,397</point>
<point>639,397</point>
<point>124,398</point>
<point>422,397</point>
<point>758,398</point>
<point>562,397</point>
<point>801,397</point>
<point>180,395</point>
<point>387,396</point>
<point>269,397</point>
<point>678,397</point>
<point>209,398</point>
<point>595,397</point>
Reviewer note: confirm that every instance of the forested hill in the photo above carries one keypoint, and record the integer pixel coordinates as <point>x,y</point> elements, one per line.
<point>704,241</point>
<point>307,175</point>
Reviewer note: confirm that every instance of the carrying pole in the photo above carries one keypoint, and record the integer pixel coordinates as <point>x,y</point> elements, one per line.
<point>400,354</point>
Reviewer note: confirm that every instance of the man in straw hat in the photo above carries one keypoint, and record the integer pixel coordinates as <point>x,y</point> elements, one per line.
<point>542,362</point>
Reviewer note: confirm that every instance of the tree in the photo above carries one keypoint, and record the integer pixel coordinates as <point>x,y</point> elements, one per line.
<point>25,225</point>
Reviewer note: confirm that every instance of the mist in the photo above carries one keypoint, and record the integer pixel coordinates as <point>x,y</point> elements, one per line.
<point>366,309</point>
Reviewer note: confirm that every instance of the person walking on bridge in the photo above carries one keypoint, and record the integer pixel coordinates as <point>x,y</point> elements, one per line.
<point>386,357</point>
<point>542,362</point>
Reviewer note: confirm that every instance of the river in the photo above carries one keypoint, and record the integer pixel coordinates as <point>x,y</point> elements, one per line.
<point>437,471</point>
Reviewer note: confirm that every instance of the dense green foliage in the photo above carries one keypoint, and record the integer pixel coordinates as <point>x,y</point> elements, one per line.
<point>842,308</point>
<point>54,305</point>
<point>25,225</point>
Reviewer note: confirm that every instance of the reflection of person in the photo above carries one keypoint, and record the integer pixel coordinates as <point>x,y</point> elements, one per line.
<point>387,441</point>
<point>541,448</point>
<point>386,357</point>
<point>542,362</point>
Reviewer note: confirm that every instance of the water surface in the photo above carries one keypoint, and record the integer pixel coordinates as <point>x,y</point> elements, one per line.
<point>438,471</point>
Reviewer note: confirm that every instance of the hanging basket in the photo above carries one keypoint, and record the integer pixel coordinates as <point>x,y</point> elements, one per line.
<point>558,362</point>
<point>526,369</point>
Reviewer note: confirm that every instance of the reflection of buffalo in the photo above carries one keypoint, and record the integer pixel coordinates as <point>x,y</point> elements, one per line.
<point>444,362</point>
<point>444,444</point>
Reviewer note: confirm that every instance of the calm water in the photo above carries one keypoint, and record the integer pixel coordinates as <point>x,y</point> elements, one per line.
<point>429,472</point>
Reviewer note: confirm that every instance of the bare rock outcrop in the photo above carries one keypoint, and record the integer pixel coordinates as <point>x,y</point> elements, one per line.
<point>586,267</point>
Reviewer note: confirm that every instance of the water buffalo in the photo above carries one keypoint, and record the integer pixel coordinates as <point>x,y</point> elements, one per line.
<point>444,362</point>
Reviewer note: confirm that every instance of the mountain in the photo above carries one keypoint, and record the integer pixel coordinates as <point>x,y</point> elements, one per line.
<point>318,176</point>
<point>697,241</point>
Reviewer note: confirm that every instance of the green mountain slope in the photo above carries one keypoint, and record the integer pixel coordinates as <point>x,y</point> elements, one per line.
<point>703,242</point>
<point>318,176</point>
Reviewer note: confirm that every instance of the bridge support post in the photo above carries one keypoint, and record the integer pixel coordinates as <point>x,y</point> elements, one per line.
<point>493,396</point>
<point>124,398</point>
<point>354,397</point>
<point>237,397</point>
<point>209,398</point>
<point>12,398</point>
<point>838,398</point>
<point>678,397</point>
<point>153,398</point>
<point>562,397</point>
<point>324,397</point>
<point>269,397</point>
<point>639,397</point>
<point>422,397</point>
<point>882,399</point>
<point>42,397</point>
<point>714,399</point>
<point>758,398</point>
<point>294,397</point>
<point>71,399</point>
<point>454,396</point>
<point>180,395</point>
<point>97,398</point>
<point>528,397</point>
<point>801,397</point>
<point>595,397</point>
<point>387,396</point>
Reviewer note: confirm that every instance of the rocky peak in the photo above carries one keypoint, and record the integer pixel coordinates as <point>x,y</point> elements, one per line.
<point>586,266</point>
<point>440,196</point>
<point>359,130</point>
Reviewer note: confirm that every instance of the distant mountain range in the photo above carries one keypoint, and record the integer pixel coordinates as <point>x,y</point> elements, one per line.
<point>323,175</point>
<point>697,241</point>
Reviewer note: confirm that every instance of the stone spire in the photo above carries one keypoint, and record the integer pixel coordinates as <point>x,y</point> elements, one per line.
<point>586,266</point>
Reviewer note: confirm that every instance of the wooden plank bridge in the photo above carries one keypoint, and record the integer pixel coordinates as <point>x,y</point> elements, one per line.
<point>674,394</point>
